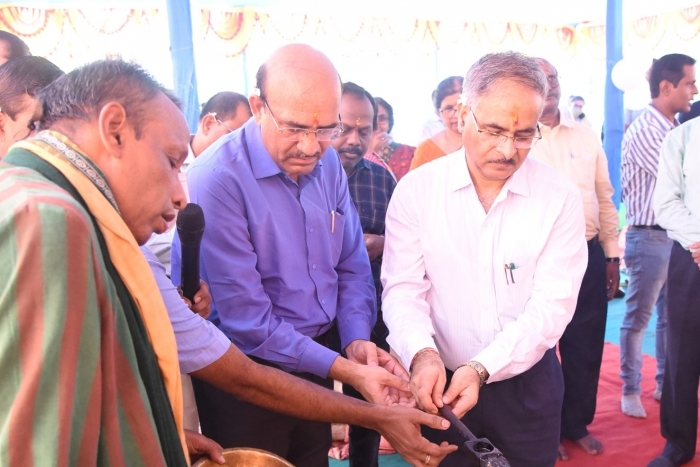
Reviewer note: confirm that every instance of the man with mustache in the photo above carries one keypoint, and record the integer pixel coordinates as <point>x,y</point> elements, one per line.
<point>485,253</point>
<point>370,186</point>
<point>284,257</point>
<point>574,149</point>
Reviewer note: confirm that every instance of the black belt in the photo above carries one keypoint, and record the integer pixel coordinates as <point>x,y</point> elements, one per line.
<point>593,241</point>
<point>648,227</point>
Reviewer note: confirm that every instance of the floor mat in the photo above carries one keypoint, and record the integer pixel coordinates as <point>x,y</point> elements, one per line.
<point>628,442</point>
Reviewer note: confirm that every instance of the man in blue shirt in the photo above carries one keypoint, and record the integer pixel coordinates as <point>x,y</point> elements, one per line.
<point>285,258</point>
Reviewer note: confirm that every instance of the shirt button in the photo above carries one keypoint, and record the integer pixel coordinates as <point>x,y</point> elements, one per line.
<point>313,266</point>
<point>311,229</point>
<point>323,302</point>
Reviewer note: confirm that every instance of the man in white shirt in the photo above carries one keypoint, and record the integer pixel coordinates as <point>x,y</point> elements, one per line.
<point>484,256</point>
<point>677,209</point>
<point>574,149</point>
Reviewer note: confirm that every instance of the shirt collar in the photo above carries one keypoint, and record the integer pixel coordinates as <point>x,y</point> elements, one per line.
<point>261,161</point>
<point>361,165</point>
<point>564,120</point>
<point>459,176</point>
<point>662,120</point>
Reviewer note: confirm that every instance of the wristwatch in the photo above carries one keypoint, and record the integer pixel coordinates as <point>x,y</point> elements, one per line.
<point>612,260</point>
<point>480,370</point>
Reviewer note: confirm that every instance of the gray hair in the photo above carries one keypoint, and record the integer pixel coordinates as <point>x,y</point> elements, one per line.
<point>492,69</point>
<point>81,94</point>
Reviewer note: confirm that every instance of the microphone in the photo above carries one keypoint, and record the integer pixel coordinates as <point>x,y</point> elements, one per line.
<point>190,228</point>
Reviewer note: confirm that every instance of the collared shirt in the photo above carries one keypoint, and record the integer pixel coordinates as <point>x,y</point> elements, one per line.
<point>640,163</point>
<point>677,194</point>
<point>444,276</point>
<point>371,187</point>
<point>574,149</point>
<point>199,342</point>
<point>283,259</point>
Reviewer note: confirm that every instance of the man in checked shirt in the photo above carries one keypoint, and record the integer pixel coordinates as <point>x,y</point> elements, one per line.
<point>370,186</point>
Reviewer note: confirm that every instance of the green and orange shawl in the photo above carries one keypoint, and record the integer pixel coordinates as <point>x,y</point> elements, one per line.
<point>87,354</point>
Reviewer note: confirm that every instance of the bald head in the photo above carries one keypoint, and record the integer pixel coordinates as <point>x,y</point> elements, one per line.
<point>296,68</point>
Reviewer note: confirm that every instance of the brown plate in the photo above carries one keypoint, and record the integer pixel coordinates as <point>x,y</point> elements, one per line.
<point>246,457</point>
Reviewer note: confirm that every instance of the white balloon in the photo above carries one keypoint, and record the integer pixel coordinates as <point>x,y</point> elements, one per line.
<point>637,98</point>
<point>629,73</point>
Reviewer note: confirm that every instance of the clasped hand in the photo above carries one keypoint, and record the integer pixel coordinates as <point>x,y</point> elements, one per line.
<point>428,380</point>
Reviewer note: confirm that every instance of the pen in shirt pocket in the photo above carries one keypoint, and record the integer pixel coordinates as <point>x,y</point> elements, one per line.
<point>332,221</point>
<point>508,269</point>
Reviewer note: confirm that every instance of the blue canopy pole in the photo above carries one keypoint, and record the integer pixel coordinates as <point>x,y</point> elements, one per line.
<point>614,109</point>
<point>182,52</point>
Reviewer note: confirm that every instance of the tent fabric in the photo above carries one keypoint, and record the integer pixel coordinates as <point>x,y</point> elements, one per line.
<point>614,110</point>
<point>182,52</point>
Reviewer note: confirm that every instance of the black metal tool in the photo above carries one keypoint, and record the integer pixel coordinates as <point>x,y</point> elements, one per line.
<point>486,453</point>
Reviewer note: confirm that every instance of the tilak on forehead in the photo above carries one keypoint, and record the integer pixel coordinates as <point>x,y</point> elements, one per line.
<point>315,118</point>
<point>515,116</point>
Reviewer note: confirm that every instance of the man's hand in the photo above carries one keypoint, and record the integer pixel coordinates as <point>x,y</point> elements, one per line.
<point>428,381</point>
<point>202,300</point>
<point>390,364</point>
<point>401,427</point>
<point>376,374</point>
<point>612,278</point>
<point>199,446</point>
<point>380,140</point>
<point>463,391</point>
<point>375,245</point>
<point>695,252</point>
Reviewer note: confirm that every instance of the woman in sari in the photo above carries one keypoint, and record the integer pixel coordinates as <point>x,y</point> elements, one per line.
<point>448,140</point>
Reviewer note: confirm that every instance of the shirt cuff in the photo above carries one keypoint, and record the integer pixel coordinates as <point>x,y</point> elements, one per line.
<point>316,359</point>
<point>409,345</point>
<point>354,330</point>
<point>492,361</point>
<point>611,249</point>
<point>218,347</point>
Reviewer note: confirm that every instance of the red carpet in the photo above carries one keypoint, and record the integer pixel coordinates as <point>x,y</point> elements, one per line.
<point>628,442</point>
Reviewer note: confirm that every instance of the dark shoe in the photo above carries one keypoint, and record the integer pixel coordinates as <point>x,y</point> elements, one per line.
<point>620,293</point>
<point>661,461</point>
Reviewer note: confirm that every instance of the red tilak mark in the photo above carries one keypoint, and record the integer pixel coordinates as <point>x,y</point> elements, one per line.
<point>315,119</point>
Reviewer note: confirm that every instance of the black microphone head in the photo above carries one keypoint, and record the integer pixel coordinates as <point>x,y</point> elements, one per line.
<point>190,223</point>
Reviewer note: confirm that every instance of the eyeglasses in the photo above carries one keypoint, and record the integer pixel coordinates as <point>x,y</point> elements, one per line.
<point>496,139</point>
<point>448,112</point>
<point>300,134</point>
<point>220,122</point>
<point>382,118</point>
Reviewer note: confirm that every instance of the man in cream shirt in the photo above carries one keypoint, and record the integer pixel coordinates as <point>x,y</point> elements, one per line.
<point>484,256</point>
<point>677,209</point>
<point>575,150</point>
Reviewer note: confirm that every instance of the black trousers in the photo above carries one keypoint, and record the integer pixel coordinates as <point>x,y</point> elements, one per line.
<point>364,442</point>
<point>234,423</point>
<point>679,400</point>
<point>520,416</point>
<point>581,348</point>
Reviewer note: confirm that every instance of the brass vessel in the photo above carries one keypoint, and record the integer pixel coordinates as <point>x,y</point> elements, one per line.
<point>246,457</point>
